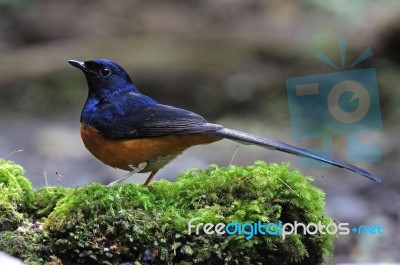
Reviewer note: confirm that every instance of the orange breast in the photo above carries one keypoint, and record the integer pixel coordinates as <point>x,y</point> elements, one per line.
<point>156,151</point>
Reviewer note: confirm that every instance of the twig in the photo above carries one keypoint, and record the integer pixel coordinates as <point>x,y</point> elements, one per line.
<point>45,178</point>
<point>289,186</point>
<point>234,154</point>
<point>14,152</point>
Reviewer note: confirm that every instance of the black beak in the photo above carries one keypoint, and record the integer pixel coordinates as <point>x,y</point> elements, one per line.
<point>79,65</point>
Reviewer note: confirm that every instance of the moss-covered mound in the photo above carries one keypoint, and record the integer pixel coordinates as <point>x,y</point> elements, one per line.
<point>133,224</point>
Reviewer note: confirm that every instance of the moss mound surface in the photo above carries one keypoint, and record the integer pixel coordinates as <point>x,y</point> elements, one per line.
<point>133,224</point>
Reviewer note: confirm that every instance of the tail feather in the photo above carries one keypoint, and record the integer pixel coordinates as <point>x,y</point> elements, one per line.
<point>246,138</point>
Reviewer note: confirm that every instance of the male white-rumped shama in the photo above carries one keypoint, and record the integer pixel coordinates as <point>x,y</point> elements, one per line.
<point>125,129</point>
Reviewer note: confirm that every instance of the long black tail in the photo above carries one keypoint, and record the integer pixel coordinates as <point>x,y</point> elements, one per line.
<point>246,138</point>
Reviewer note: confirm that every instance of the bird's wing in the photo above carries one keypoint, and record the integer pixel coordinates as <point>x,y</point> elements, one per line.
<point>152,121</point>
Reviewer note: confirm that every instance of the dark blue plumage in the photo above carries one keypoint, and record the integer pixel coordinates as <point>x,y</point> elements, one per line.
<point>129,130</point>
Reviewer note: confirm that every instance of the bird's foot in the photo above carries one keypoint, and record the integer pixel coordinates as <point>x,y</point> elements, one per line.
<point>135,169</point>
<point>150,177</point>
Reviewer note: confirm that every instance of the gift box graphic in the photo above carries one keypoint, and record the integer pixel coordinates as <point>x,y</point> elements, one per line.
<point>345,102</point>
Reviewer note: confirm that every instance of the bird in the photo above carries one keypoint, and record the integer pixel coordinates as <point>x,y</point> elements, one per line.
<point>128,130</point>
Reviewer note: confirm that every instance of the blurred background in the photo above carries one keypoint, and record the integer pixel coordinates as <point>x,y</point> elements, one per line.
<point>226,60</point>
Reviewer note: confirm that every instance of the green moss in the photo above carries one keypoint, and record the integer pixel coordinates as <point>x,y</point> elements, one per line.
<point>27,243</point>
<point>132,223</point>
<point>44,201</point>
<point>15,192</point>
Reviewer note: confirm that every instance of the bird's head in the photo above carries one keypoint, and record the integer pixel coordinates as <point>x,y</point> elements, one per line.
<point>104,77</point>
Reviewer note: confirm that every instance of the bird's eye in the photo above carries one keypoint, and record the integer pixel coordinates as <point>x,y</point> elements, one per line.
<point>105,71</point>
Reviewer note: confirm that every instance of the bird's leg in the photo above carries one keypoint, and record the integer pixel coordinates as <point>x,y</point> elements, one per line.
<point>150,177</point>
<point>135,169</point>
